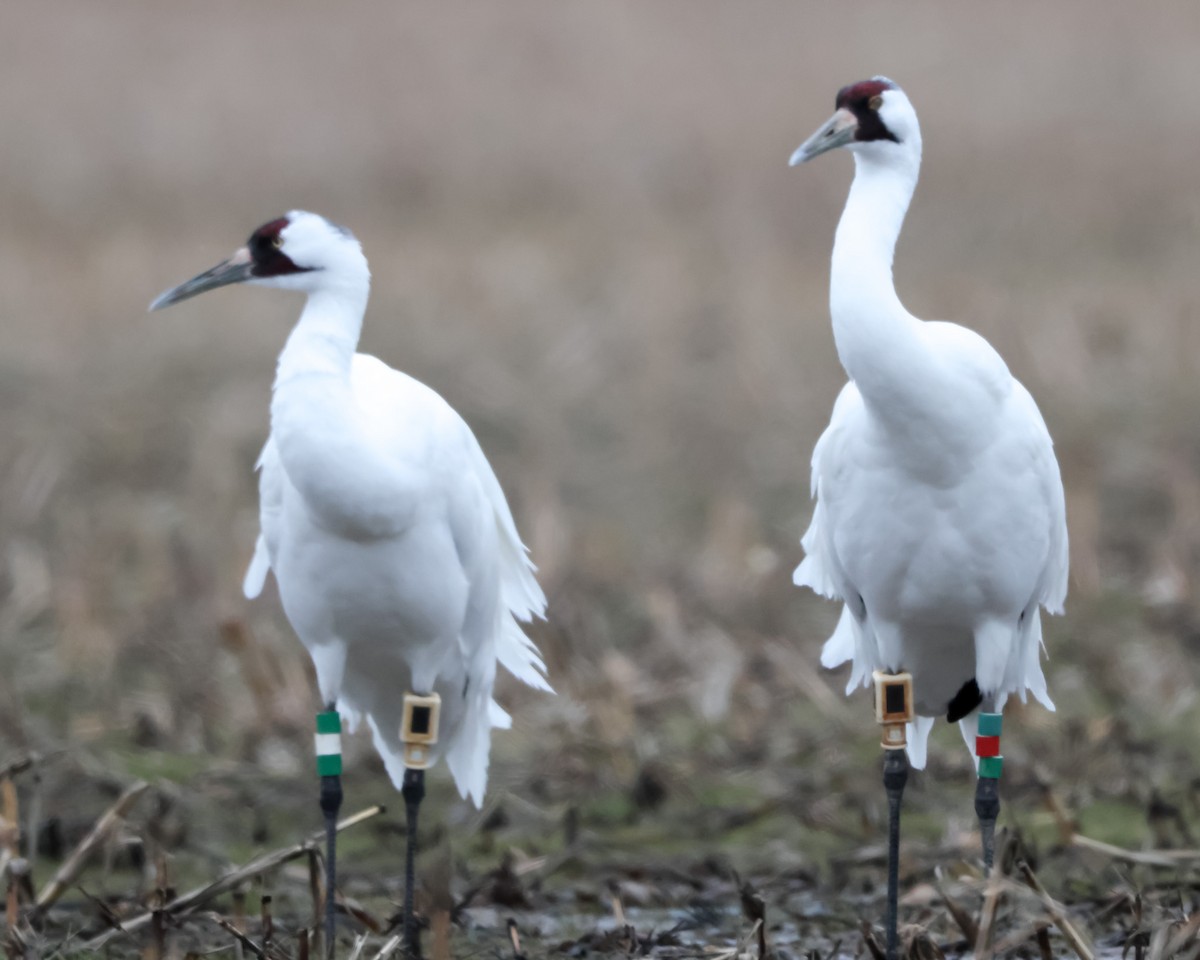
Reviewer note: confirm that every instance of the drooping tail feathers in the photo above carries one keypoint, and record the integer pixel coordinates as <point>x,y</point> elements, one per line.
<point>256,573</point>
<point>520,594</point>
<point>467,755</point>
<point>519,656</point>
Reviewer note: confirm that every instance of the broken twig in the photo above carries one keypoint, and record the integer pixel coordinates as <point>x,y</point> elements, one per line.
<point>201,895</point>
<point>79,857</point>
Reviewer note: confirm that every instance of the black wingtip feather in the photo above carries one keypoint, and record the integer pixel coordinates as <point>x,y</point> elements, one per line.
<point>963,702</point>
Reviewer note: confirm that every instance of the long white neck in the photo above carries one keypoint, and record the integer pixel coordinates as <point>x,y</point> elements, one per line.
<point>878,341</point>
<point>327,442</point>
<point>325,338</point>
<point>937,394</point>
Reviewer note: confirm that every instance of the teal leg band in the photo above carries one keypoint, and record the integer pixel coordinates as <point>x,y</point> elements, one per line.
<point>990,724</point>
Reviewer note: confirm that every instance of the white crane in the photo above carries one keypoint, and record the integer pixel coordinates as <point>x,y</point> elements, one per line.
<point>398,562</point>
<point>940,522</point>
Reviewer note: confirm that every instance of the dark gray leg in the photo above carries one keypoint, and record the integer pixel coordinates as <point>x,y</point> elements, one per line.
<point>894,709</point>
<point>329,767</point>
<point>895,776</point>
<point>418,732</point>
<point>987,808</point>
<point>413,793</point>
<point>331,803</point>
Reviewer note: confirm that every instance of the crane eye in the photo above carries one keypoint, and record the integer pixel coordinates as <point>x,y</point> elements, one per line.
<point>277,241</point>
<point>876,101</point>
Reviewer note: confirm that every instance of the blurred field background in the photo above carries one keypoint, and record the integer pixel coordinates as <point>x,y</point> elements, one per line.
<point>584,234</point>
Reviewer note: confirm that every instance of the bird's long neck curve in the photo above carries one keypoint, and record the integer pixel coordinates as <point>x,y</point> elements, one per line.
<point>325,338</point>
<point>327,444</point>
<point>878,341</point>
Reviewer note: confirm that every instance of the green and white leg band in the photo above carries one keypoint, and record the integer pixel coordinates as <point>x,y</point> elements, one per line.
<point>329,744</point>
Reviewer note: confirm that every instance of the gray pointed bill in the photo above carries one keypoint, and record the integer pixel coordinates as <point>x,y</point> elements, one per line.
<point>234,270</point>
<point>836,132</point>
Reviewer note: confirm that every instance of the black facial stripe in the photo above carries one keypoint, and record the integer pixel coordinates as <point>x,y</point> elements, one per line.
<point>267,259</point>
<point>871,125</point>
<point>275,264</point>
<point>857,99</point>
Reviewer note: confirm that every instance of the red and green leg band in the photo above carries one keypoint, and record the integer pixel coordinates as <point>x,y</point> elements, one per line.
<point>329,744</point>
<point>987,745</point>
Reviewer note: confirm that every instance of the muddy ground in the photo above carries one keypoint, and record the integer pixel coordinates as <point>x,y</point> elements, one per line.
<point>584,234</point>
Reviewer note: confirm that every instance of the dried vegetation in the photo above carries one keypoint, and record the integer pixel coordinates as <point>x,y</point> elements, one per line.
<point>584,235</point>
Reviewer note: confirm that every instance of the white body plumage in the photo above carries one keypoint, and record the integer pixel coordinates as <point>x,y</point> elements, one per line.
<point>398,562</point>
<point>940,519</point>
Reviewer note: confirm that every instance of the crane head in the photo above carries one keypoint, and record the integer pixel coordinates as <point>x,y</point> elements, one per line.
<point>872,116</point>
<point>301,251</point>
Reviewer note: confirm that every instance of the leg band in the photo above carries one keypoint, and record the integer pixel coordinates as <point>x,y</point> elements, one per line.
<point>419,728</point>
<point>329,744</point>
<point>987,745</point>
<point>893,707</point>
